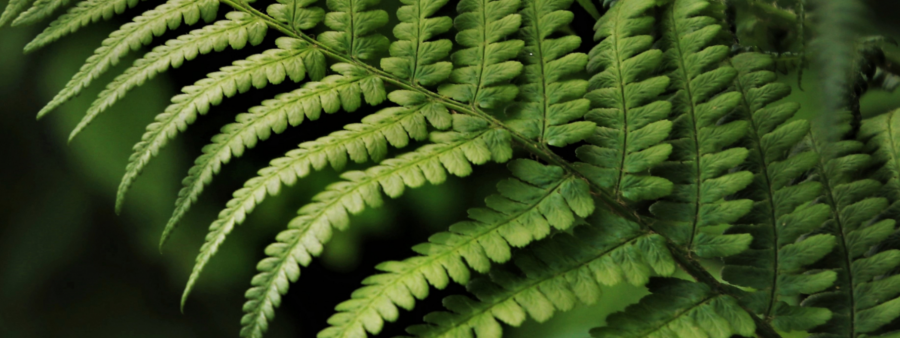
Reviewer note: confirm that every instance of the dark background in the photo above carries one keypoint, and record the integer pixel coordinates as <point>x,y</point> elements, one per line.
<point>70,267</point>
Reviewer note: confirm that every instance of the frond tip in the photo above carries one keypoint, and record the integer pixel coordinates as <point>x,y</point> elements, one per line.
<point>132,36</point>
<point>39,10</point>
<point>238,30</point>
<point>84,13</point>
<point>13,8</point>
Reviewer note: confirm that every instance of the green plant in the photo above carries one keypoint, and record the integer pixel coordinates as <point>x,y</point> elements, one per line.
<point>667,145</point>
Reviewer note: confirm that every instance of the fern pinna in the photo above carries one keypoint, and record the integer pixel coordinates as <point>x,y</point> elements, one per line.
<point>783,210</point>
<point>686,148</point>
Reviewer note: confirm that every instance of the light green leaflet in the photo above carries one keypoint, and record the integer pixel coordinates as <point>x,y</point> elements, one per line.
<point>297,13</point>
<point>237,31</point>
<point>452,152</point>
<point>539,199</point>
<point>353,23</point>
<point>13,8</point>
<point>332,94</point>
<point>84,13</point>
<point>131,36</point>
<point>257,71</point>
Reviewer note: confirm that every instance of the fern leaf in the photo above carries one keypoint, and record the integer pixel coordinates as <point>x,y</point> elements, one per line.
<point>539,197</point>
<point>256,71</point>
<point>296,13</point>
<point>331,94</point>
<point>84,13</point>
<point>630,118</point>
<point>783,212</point>
<point>548,100</point>
<point>41,9</point>
<point>883,135</point>
<point>679,308</point>
<point>699,162</point>
<point>307,232</point>
<point>413,57</point>
<point>556,273</point>
<point>352,25</point>
<point>485,72</point>
<point>237,31</point>
<point>132,36</point>
<point>13,8</point>
<point>360,142</point>
<point>865,296</point>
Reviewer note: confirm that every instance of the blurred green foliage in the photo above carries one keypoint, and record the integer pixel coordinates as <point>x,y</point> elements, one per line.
<point>69,267</point>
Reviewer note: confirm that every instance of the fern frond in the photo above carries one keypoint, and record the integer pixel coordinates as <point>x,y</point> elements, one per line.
<point>353,25</point>
<point>40,9</point>
<point>413,57</point>
<point>13,8</point>
<point>784,212</point>
<point>132,36</point>
<point>679,308</point>
<point>548,100</point>
<point>882,133</point>
<point>540,197</point>
<point>237,31</point>
<point>865,296</point>
<point>624,92</point>
<point>483,69</point>
<point>556,273</point>
<point>333,93</point>
<point>331,209</point>
<point>700,162</point>
<point>84,13</point>
<point>360,142</point>
<point>256,71</point>
<point>296,13</point>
